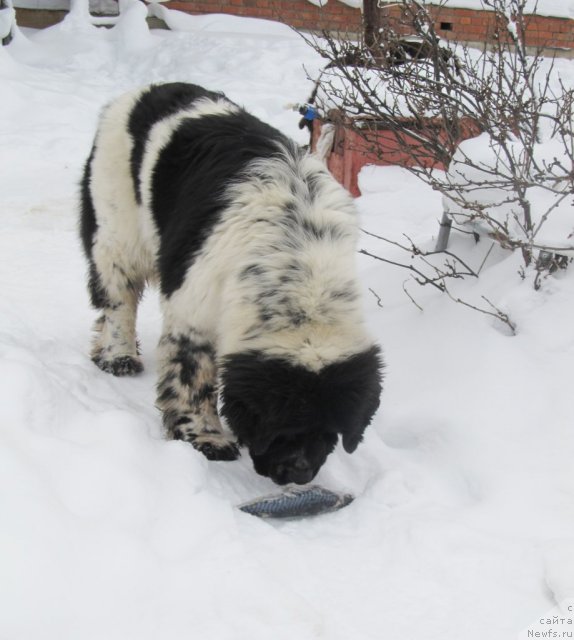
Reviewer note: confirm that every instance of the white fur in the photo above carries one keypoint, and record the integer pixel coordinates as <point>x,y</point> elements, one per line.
<point>121,237</point>
<point>214,300</point>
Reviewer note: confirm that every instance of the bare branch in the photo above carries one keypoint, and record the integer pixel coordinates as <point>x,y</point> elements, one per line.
<point>428,95</point>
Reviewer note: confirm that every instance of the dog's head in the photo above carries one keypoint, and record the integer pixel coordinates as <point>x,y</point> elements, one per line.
<point>290,418</point>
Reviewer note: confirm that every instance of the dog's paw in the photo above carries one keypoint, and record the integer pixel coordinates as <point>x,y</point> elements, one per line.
<point>216,447</point>
<point>119,366</point>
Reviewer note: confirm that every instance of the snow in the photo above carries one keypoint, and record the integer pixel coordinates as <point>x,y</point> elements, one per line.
<point>484,154</point>
<point>220,23</point>
<point>341,89</point>
<point>462,525</point>
<point>355,4</point>
<point>7,17</point>
<point>101,7</point>
<point>555,8</point>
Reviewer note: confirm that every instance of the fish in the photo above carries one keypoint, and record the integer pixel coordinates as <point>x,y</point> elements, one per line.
<point>297,502</point>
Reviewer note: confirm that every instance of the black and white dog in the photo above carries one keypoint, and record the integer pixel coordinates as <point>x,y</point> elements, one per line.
<point>253,244</point>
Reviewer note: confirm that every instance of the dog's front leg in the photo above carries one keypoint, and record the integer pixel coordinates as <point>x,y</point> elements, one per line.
<point>187,394</point>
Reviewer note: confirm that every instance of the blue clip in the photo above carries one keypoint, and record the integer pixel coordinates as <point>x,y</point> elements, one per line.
<point>308,111</point>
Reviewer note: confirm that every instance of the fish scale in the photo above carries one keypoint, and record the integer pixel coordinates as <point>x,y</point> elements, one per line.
<point>297,502</point>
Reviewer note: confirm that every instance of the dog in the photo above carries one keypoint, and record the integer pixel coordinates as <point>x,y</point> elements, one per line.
<point>252,244</point>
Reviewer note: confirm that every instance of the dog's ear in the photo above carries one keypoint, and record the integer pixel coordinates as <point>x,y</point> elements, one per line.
<point>351,440</point>
<point>352,431</point>
<point>254,393</point>
<point>354,389</point>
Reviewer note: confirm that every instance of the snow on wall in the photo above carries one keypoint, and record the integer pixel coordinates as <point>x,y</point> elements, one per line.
<point>554,8</point>
<point>355,4</point>
<point>107,7</point>
<point>6,21</point>
<point>52,5</point>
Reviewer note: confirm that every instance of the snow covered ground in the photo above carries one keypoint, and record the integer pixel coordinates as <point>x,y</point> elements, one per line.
<point>464,519</point>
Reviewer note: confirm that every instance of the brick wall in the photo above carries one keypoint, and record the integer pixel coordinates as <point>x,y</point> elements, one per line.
<point>467,25</point>
<point>463,25</point>
<point>297,13</point>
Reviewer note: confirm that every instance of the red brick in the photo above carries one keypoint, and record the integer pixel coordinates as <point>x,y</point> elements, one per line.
<point>468,24</point>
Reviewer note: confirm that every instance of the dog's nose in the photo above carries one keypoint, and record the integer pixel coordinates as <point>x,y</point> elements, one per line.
<point>297,471</point>
<point>300,476</point>
<point>300,471</point>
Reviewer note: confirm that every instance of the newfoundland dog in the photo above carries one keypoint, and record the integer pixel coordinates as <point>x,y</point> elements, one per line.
<point>252,244</point>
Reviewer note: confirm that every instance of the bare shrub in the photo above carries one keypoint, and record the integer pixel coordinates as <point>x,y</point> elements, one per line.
<point>512,183</point>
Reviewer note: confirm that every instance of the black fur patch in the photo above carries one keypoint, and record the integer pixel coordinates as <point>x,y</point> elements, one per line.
<point>196,166</point>
<point>186,357</point>
<point>88,224</point>
<point>120,366</point>
<point>289,416</point>
<point>159,102</point>
<point>98,296</point>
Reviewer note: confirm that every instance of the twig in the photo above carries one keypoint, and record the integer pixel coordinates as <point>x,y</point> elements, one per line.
<point>485,258</point>
<point>417,305</point>
<point>377,296</point>
<point>497,313</point>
